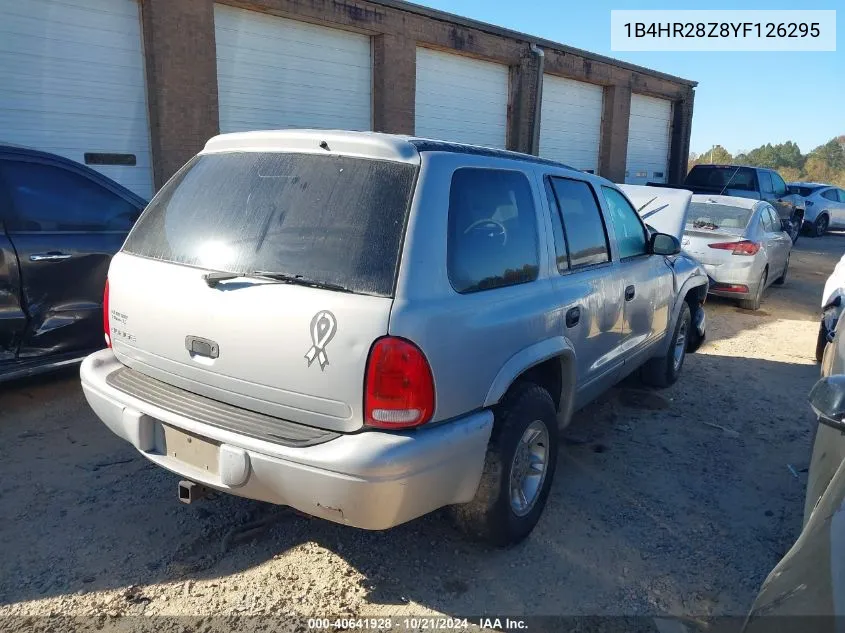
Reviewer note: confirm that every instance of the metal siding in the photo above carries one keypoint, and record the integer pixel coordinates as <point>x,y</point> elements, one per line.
<point>277,73</point>
<point>570,122</point>
<point>461,99</point>
<point>649,134</point>
<point>72,77</point>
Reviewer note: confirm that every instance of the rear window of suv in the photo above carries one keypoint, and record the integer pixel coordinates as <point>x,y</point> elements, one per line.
<point>332,219</point>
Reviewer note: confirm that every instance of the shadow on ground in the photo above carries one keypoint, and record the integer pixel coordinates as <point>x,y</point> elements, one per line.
<point>678,502</point>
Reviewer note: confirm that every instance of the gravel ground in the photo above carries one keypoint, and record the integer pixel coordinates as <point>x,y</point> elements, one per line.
<point>674,502</point>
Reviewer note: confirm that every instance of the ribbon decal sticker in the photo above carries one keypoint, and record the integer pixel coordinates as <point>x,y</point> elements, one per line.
<point>323,327</point>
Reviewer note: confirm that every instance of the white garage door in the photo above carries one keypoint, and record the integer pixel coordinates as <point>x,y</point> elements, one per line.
<point>72,82</point>
<point>649,133</point>
<point>570,122</point>
<point>461,99</point>
<point>275,73</point>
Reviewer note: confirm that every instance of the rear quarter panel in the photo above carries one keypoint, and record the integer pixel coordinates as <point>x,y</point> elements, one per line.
<point>468,338</point>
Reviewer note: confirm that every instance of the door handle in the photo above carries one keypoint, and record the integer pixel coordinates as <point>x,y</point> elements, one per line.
<point>630,292</point>
<point>49,257</point>
<point>573,315</point>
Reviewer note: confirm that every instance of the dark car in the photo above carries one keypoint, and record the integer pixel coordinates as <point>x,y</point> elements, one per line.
<point>60,224</point>
<point>806,590</point>
<point>758,183</point>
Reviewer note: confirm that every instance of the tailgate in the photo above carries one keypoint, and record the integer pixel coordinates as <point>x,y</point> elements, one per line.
<point>295,348</point>
<point>292,352</point>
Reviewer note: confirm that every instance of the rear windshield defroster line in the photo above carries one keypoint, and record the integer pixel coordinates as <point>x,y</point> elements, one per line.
<point>334,219</point>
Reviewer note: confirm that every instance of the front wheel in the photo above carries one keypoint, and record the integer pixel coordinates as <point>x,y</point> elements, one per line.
<point>663,371</point>
<point>518,469</point>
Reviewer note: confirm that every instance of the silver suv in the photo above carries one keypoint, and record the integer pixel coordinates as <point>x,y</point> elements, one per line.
<point>369,327</point>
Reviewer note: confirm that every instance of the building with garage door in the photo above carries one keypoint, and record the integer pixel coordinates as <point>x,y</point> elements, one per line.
<point>135,87</point>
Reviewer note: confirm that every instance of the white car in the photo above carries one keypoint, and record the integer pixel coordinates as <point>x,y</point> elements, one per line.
<point>832,305</point>
<point>824,204</point>
<point>743,245</point>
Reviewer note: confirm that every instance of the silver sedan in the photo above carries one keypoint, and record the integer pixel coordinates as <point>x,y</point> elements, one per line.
<point>741,243</point>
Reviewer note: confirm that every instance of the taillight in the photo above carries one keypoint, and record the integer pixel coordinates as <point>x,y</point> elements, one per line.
<point>729,287</point>
<point>399,388</point>
<point>745,247</point>
<point>106,320</point>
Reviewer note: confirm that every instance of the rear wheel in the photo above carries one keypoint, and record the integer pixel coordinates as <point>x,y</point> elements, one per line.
<point>820,225</point>
<point>518,469</point>
<point>754,302</point>
<point>663,371</point>
<point>780,280</point>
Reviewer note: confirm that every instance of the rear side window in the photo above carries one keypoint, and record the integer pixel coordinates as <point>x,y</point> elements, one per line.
<point>841,195</point>
<point>492,238</point>
<point>583,225</point>
<point>331,219</point>
<point>631,237</point>
<point>804,192</point>
<point>50,199</point>
<point>768,220</point>
<point>765,182</point>
<point>778,184</point>
<point>830,194</point>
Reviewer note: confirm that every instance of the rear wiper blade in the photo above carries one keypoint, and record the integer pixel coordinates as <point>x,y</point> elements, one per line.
<point>212,279</point>
<point>298,280</point>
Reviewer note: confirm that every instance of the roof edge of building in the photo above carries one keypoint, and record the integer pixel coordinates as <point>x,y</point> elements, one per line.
<point>403,5</point>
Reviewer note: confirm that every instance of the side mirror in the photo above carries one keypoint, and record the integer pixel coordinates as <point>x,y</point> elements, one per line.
<point>827,398</point>
<point>664,244</point>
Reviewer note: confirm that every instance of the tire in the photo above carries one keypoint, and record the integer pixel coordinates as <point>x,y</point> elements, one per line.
<point>492,516</point>
<point>753,304</point>
<point>820,225</point>
<point>821,343</point>
<point>694,339</point>
<point>782,279</point>
<point>663,371</point>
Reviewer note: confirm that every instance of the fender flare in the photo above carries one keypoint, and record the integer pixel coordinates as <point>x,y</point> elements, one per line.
<point>557,346</point>
<point>694,281</point>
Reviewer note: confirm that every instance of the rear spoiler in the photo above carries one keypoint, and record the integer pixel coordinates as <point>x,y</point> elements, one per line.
<point>664,208</point>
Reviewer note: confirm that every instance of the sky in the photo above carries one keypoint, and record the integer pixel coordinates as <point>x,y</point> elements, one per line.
<point>743,100</point>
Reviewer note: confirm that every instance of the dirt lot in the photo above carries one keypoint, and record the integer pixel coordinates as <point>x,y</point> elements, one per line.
<point>673,502</point>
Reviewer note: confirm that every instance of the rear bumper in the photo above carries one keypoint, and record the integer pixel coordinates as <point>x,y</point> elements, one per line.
<point>372,480</point>
<point>731,275</point>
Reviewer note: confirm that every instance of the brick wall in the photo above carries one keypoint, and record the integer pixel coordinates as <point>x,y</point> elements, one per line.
<point>182,75</point>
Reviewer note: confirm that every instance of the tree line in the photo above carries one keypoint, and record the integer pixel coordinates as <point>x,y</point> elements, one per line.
<point>825,164</point>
